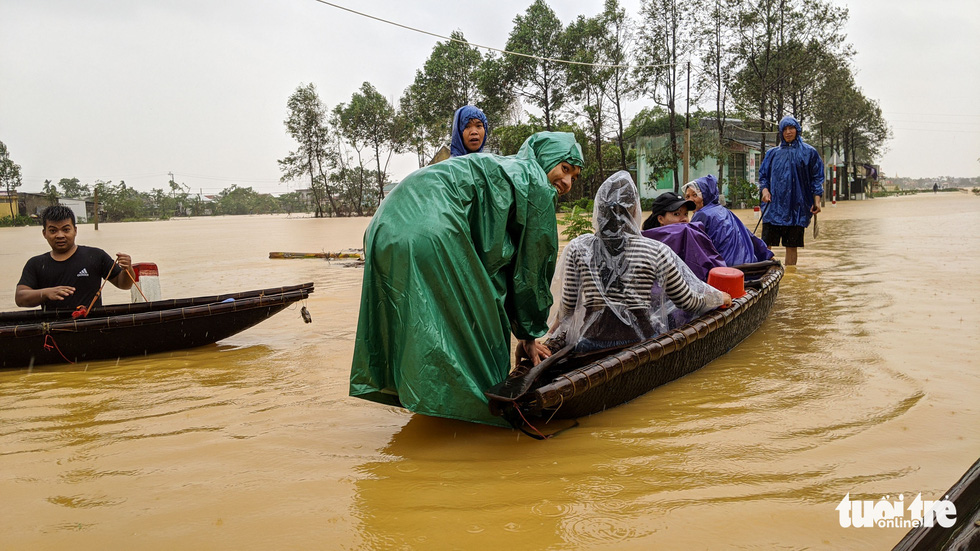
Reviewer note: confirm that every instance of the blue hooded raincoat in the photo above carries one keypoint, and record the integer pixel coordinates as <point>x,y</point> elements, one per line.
<point>463,117</point>
<point>734,241</point>
<point>793,173</point>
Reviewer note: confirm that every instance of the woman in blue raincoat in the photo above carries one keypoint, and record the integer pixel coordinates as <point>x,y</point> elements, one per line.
<point>459,256</point>
<point>470,131</point>
<point>728,234</point>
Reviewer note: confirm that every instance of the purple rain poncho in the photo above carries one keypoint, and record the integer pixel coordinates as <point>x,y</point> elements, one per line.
<point>691,243</point>
<point>728,234</point>
<point>793,173</point>
<point>463,117</point>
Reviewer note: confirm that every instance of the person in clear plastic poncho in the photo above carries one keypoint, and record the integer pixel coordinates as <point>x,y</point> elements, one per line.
<point>618,287</point>
<point>459,256</point>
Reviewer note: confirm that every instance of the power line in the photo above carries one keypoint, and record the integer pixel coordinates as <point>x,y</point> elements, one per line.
<point>932,114</point>
<point>491,48</point>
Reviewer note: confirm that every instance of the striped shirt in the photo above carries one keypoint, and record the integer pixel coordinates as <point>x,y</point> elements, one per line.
<point>647,263</point>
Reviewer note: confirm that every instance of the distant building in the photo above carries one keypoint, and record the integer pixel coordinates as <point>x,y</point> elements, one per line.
<point>8,204</point>
<point>31,204</point>
<point>741,144</point>
<point>77,206</point>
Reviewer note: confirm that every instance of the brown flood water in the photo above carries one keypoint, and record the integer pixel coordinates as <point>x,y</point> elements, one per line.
<point>863,380</point>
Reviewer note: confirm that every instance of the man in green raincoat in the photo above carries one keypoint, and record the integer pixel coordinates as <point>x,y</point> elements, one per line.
<point>459,255</point>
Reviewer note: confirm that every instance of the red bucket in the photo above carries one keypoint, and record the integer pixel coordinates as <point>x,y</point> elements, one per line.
<point>729,280</point>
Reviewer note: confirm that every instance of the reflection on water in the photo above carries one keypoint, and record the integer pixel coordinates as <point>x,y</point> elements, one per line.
<point>862,381</point>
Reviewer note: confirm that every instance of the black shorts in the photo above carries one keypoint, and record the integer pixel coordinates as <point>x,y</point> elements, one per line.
<point>791,236</point>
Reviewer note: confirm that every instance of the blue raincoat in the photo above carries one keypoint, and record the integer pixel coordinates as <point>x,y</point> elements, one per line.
<point>734,241</point>
<point>793,173</point>
<point>463,117</point>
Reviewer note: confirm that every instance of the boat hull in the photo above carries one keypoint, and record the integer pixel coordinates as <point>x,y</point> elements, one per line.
<point>581,386</point>
<point>137,329</point>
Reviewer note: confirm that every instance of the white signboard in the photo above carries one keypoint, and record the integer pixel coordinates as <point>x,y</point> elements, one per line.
<point>751,175</point>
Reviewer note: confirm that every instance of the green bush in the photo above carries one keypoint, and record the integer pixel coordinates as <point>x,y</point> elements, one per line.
<point>19,220</point>
<point>579,222</point>
<point>742,191</point>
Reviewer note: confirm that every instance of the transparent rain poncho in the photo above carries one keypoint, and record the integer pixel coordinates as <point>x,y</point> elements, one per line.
<point>618,287</point>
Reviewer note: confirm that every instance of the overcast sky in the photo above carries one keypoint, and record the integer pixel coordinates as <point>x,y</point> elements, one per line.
<point>123,90</point>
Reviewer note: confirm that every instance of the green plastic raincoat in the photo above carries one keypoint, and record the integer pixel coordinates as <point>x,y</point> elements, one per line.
<point>459,255</point>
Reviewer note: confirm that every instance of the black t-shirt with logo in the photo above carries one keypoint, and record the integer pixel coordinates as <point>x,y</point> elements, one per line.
<point>83,270</point>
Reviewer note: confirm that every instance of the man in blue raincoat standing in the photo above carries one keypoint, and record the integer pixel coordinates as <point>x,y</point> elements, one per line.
<point>791,180</point>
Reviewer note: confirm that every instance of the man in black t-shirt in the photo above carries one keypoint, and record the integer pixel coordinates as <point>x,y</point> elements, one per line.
<point>70,275</point>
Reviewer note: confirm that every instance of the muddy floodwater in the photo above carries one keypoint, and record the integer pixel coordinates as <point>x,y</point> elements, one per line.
<point>863,381</point>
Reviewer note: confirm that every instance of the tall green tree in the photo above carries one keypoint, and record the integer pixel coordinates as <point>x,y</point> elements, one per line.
<point>538,33</point>
<point>369,120</point>
<point>307,124</point>
<point>783,46</point>
<point>73,188</point>
<point>665,42</point>
<point>588,80</point>
<point>245,200</point>
<point>621,87</point>
<point>717,65</point>
<point>10,178</point>
<point>448,80</point>
<point>497,97</point>
<point>50,191</point>
<point>120,202</point>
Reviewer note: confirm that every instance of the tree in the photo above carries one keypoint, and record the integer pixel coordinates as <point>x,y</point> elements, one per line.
<point>718,62</point>
<point>245,200</point>
<point>455,74</point>
<point>120,202</point>
<point>448,80</point>
<point>496,96</point>
<point>587,40</point>
<point>10,177</point>
<point>664,41</point>
<point>73,188</point>
<point>50,191</point>
<point>621,87</point>
<point>307,125</point>
<point>783,47</point>
<point>538,33</point>
<point>368,120</point>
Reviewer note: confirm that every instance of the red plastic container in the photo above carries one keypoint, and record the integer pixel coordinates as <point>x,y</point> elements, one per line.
<point>730,280</point>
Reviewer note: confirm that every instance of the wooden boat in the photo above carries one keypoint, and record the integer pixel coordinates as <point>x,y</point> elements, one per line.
<point>964,534</point>
<point>566,386</point>
<point>35,337</point>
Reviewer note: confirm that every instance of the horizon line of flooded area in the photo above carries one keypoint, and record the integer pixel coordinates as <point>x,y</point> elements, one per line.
<point>862,381</point>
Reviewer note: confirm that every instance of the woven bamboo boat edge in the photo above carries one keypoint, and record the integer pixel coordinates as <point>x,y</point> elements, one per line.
<point>555,393</point>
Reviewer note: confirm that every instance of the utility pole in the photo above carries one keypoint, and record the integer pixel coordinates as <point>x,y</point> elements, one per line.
<point>96,207</point>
